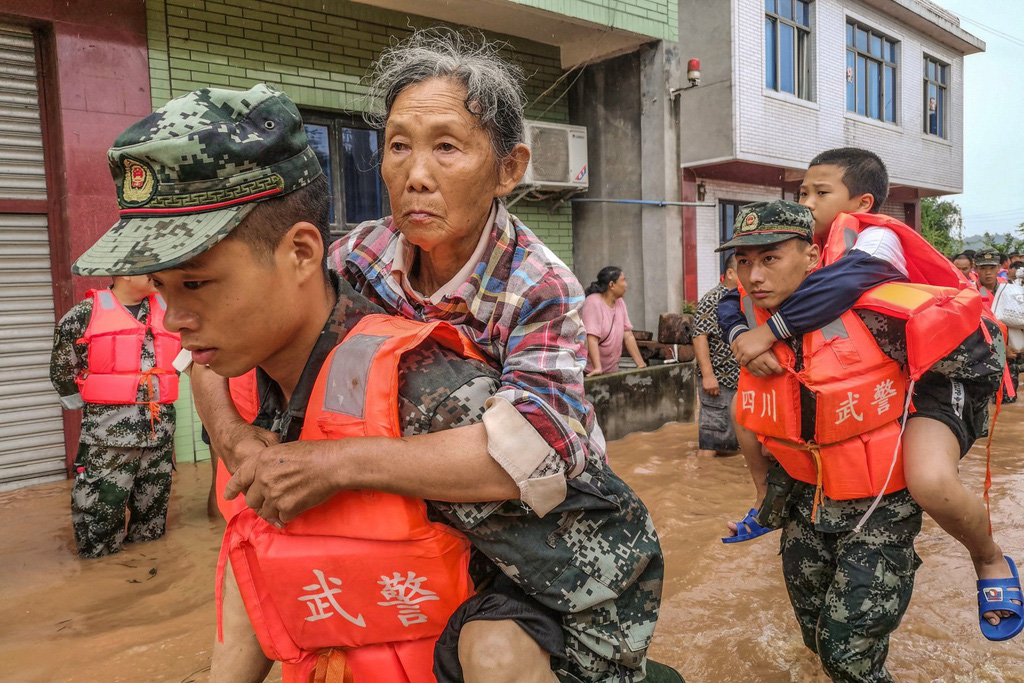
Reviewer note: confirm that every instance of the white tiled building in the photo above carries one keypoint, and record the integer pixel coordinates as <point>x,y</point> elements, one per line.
<point>786,79</point>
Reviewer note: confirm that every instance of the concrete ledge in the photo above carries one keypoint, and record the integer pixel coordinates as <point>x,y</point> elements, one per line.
<point>642,400</point>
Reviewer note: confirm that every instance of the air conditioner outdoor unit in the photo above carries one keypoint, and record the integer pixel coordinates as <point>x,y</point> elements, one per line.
<point>558,157</point>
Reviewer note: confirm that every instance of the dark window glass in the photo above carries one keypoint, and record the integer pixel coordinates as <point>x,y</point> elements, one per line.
<point>935,97</point>
<point>363,195</point>
<point>890,93</point>
<point>803,13</point>
<point>874,83</point>
<point>862,40</point>
<point>862,68</point>
<point>348,155</point>
<point>726,217</point>
<point>786,59</point>
<point>870,62</point>
<point>875,46</point>
<point>788,47</point>
<point>851,81</point>
<point>319,141</point>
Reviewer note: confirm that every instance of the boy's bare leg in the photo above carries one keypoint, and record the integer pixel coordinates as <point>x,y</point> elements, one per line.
<point>755,459</point>
<point>239,659</point>
<point>931,457</point>
<point>500,652</point>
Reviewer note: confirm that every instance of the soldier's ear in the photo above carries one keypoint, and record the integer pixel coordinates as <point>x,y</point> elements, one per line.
<point>813,257</point>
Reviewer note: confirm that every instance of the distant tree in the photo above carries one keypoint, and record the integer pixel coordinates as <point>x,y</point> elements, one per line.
<point>1004,244</point>
<point>942,225</point>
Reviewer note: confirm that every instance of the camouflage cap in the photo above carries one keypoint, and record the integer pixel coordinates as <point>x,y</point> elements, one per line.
<point>987,257</point>
<point>188,173</point>
<point>770,222</point>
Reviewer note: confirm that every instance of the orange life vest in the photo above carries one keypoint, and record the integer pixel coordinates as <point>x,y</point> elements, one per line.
<point>925,265</point>
<point>860,392</point>
<point>115,338</point>
<point>364,582</point>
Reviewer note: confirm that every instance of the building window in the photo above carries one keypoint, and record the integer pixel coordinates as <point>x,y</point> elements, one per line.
<point>870,73</point>
<point>347,153</point>
<point>726,217</point>
<point>787,47</point>
<point>936,80</point>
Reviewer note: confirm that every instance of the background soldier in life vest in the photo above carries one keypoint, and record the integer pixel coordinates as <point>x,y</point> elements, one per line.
<point>125,454</point>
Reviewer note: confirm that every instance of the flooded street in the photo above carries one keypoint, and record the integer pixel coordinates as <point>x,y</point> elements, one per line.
<point>147,614</point>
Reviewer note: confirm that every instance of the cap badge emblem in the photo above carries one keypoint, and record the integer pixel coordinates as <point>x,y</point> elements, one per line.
<point>139,183</point>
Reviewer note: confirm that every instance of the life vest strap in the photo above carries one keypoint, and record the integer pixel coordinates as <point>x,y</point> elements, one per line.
<point>332,667</point>
<point>988,458</point>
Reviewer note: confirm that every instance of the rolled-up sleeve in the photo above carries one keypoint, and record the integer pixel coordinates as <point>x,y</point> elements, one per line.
<point>537,421</point>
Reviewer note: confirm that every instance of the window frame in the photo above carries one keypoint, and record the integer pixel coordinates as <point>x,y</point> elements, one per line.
<point>803,60</point>
<point>882,62</point>
<point>943,86</point>
<point>723,228</point>
<point>334,122</point>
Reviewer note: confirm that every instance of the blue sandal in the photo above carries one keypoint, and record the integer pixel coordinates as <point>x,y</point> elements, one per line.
<point>753,529</point>
<point>996,594</point>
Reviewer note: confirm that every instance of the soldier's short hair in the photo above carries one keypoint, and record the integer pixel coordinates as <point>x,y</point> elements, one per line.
<point>730,261</point>
<point>863,172</point>
<point>263,229</point>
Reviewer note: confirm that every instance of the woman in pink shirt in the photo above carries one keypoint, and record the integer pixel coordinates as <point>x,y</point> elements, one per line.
<point>607,323</point>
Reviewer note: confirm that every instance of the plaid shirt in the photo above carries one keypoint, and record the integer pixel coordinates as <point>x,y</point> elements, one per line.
<point>522,307</point>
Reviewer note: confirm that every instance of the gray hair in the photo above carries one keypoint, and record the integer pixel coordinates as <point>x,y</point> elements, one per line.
<point>493,91</point>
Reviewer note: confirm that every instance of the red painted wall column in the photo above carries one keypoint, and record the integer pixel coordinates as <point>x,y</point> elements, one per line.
<point>94,84</point>
<point>688,193</point>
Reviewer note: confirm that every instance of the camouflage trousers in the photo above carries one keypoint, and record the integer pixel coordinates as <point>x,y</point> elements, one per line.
<point>850,590</point>
<point>595,560</point>
<point>122,496</point>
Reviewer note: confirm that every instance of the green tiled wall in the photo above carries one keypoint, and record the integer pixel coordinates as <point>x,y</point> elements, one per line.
<point>656,18</point>
<point>188,440</point>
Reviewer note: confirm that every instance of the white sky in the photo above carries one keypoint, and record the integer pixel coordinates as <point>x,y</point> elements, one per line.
<point>993,197</point>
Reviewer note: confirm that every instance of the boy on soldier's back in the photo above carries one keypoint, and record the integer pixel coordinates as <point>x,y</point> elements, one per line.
<point>950,412</point>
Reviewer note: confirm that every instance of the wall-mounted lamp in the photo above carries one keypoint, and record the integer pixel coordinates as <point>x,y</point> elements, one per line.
<point>692,75</point>
<point>693,72</point>
<point>702,191</point>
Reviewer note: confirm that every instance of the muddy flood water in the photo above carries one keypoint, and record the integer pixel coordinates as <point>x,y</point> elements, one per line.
<point>147,613</point>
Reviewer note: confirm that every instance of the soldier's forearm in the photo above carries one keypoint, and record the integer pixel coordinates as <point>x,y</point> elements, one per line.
<point>453,465</point>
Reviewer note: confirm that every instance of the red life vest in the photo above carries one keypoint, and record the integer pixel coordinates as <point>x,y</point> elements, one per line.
<point>860,392</point>
<point>925,265</point>
<point>115,338</point>
<point>364,578</point>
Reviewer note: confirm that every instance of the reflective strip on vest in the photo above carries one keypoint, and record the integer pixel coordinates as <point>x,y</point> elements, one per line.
<point>834,329</point>
<point>160,301</point>
<point>347,378</point>
<point>748,311</point>
<point>849,239</point>
<point>107,300</point>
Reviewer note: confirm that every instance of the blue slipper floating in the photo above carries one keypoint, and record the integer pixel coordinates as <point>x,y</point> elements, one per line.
<point>996,594</point>
<point>753,529</point>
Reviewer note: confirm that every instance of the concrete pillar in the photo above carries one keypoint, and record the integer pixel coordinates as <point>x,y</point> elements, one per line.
<point>661,227</point>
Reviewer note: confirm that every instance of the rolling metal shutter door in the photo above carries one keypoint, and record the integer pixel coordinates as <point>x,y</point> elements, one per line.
<point>31,429</point>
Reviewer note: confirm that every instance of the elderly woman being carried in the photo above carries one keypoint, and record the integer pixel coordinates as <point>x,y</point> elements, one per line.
<point>570,568</point>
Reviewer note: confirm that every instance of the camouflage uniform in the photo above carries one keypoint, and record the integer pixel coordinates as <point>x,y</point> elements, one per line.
<point>210,156</point>
<point>128,458</point>
<point>595,559</point>
<point>850,589</point>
